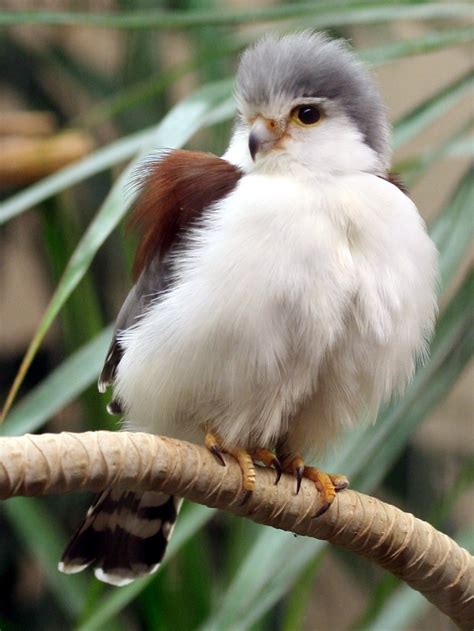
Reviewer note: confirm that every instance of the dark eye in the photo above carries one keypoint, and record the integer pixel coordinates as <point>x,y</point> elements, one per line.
<point>306,114</point>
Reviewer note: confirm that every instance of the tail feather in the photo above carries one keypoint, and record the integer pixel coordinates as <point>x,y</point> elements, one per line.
<point>123,536</point>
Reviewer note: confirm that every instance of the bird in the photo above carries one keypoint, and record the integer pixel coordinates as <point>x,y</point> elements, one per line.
<point>282,292</point>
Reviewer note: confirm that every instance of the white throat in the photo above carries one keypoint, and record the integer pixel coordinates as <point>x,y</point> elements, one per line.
<point>337,149</point>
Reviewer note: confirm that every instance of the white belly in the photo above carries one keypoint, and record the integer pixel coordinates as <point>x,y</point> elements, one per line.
<point>265,296</point>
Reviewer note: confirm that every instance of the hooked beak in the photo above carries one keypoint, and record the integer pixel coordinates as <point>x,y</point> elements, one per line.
<point>263,135</point>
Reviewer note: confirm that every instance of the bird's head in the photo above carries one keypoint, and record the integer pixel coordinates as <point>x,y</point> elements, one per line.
<point>305,101</point>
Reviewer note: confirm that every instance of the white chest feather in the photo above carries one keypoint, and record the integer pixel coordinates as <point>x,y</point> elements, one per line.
<point>287,286</point>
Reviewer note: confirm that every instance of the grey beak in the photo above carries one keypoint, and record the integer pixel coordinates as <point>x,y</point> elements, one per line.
<point>263,136</point>
<point>253,144</point>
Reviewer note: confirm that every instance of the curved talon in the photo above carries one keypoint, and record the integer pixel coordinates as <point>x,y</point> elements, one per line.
<point>269,459</point>
<point>298,473</point>
<point>322,510</point>
<point>218,454</point>
<point>212,443</point>
<point>327,484</point>
<point>278,470</point>
<point>245,498</point>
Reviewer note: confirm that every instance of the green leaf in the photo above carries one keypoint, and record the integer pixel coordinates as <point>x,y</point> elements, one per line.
<point>436,40</point>
<point>144,90</point>
<point>353,13</point>
<point>123,149</point>
<point>59,388</point>
<point>42,537</point>
<point>173,131</point>
<point>459,144</point>
<point>98,161</point>
<point>431,109</point>
<point>300,597</point>
<point>452,231</point>
<point>463,148</point>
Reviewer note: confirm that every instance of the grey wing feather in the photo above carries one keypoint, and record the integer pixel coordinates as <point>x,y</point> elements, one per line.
<point>152,282</point>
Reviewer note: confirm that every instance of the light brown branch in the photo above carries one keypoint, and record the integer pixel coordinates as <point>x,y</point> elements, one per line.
<point>26,159</point>
<point>413,550</point>
<point>27,123</point>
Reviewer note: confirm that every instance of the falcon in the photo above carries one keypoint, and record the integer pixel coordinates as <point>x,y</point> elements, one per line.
<point>282,292</point>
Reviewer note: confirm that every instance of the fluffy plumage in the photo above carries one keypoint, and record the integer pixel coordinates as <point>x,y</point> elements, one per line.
<point>302,297</point>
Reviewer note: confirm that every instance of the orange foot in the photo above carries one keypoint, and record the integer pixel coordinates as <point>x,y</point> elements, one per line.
<point>245,459</point>
<point>328,484</point>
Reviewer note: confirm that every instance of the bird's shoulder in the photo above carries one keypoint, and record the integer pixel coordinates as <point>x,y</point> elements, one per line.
<point>174,191</point>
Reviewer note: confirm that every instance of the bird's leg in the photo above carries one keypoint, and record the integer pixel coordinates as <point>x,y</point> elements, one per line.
<point>328,484</point>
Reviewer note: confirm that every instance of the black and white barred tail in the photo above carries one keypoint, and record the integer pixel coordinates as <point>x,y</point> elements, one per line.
<point>123,537</point>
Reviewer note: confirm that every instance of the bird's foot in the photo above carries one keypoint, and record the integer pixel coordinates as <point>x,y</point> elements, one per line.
<point>214,443</point>
<point>245,459</point>
<point>328,484</point>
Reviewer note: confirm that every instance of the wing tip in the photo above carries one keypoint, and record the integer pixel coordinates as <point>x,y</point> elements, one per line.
<point>123,576</point>
<point>102,386</point>
<point>67,567</point>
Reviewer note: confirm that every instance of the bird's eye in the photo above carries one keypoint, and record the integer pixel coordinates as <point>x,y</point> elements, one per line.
<point>306,115</point>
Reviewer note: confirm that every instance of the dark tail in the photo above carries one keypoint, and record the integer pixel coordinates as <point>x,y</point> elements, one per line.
<point>124,535</point>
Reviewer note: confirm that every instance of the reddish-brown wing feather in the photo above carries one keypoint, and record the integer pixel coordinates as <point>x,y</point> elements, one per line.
<point>174,193</point>
<point>175,190</point>
<point>396,180</point>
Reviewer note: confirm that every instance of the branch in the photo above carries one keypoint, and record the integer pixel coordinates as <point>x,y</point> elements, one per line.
<point>25,159</point>
<point>426,559</point>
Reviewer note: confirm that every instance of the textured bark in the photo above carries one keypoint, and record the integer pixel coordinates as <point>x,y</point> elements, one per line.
<point>411,549</point>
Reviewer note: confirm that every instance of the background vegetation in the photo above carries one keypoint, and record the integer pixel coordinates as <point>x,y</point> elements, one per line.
<point>133,76</point>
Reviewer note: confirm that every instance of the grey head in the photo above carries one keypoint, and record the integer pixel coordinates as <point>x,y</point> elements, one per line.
<point>311,65</point>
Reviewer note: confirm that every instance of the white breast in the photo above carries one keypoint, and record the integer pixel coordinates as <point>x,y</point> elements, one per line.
<point>275,283</point>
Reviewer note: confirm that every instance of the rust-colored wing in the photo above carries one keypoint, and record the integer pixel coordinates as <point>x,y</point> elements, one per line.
<point>175,191</point>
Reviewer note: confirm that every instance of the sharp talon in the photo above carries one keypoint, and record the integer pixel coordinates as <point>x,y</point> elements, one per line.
<point>327,484</point>
<point>268,458</point>
<point>218,454</point>
<point>299,476</point>
<point>212,442</point>
<point>322,510</point>
<point>245,498</point>
<point>277,467</point>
